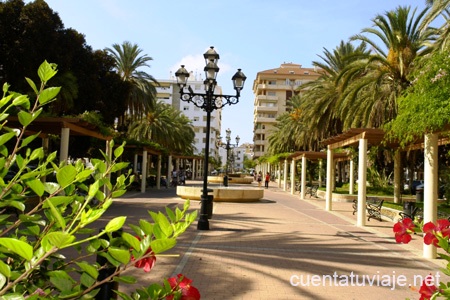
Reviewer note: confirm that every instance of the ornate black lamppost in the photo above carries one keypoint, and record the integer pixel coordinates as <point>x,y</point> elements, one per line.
<point>228,146</point>
<point>208,101</point>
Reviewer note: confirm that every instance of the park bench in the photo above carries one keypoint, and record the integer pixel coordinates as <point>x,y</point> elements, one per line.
<point>373,206</point>
<point>312,190</point>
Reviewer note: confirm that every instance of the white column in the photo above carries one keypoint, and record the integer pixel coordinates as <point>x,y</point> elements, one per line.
<point>193,169</point>
<point>430,187</point>
<point>285,175</point>
<point>351,189</point>
<point>362,178</point>
<point>330,179</point>
<point>397,176</point>
<point>279,174</point>
<point>158,172</point>
<point>144,171</point>
<point>64,147</point>
<point>320,172</point>
<point>292,177</point>
<point>135,166</point>
<point>169,171</point>
<point>303,183</point>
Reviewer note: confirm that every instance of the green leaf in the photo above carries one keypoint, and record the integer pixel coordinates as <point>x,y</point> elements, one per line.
<point>29,139</point>
<point>66,175</point>
<point>58,239</point>
<point>19,247</point>
<point>37,153</point>
<point>32,85</point>
<point>3,281</point>
<point>100,165</point>
<point>51,187</point>
<point>131,240</point>
<point>57,215</point>
<point>62,283</point>
<point>125,279</point>
<point>46,71</point>
<point>118,193</point>
<point>118,152</point>
<point>121,255</point>
<point>164,224</point>
<point>146,227</point>
<point>24,118</point>
<point>87,280</point>
<point>6,137</point>
<point>119,166</point>
<point>88,268</point>
<point>36,185</point>
<point>115,224</point>
<point>22,100</point>
<point>57,201</point>
<point>159,246</point>
<point>5,269</point>
<point>48,94</point>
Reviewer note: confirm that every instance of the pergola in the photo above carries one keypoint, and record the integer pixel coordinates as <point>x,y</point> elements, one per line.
<point>365,137</point>
<point>64,127</point>
<point>304,156</point>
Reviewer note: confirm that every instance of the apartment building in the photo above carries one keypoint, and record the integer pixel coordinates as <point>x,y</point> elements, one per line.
<point>169,92</point>
<point>272,88</point>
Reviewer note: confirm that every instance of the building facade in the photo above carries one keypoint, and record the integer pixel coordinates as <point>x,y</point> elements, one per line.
<point>272,88</point>
<point>169,92</point>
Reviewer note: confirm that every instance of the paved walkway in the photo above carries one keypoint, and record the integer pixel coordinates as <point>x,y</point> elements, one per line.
<point>284,247</point>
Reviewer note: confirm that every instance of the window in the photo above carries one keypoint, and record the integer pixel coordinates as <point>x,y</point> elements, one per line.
<point>272,82</point>
<point>196,119</point>
<point>271,93</point>
<point>185,108</point>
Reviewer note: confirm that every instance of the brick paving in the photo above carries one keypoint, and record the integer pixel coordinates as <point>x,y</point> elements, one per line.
<point>284,247</point>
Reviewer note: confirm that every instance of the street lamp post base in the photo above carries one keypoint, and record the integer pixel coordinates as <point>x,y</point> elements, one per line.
<point>203,223</point>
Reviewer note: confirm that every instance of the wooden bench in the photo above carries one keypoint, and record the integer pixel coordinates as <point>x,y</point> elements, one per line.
<point>312,191</point>
<point>373,206</point>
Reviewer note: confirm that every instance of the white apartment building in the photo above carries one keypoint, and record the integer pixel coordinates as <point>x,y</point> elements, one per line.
<point>169,92</point>
<point>236,161</point>
<point>271,89</point>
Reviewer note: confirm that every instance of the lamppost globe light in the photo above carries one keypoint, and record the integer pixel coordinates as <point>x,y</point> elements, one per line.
<point>182,76</point>
<point>209,102</point>
<point>211,55</point>
<point>237,140</point>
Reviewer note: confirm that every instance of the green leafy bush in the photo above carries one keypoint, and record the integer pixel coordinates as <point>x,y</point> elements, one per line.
<point>40,217</point>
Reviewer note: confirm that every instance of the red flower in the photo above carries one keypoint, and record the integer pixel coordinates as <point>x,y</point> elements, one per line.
<point>431,230</point>
<point>427,289</point>
<point>183,284</point>
<point>145,263</point>
<point>403,230</point>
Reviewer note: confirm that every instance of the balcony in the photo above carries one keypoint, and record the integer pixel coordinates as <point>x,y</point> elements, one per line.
<point>265,120</point>
<point>267,98</point>
<point>263,109</point>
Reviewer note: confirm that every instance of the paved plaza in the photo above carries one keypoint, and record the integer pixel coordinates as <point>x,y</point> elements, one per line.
<point>284,247</point>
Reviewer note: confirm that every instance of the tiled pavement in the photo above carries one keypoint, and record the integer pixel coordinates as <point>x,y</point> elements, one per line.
<point>284,247</point>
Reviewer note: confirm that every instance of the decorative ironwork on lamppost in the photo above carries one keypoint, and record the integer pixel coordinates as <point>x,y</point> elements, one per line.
<point>228,146</point>
<point>208,101</point>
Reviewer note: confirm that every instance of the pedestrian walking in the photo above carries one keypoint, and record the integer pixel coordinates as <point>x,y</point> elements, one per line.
<point>267,179</point>
<point>259,179</point>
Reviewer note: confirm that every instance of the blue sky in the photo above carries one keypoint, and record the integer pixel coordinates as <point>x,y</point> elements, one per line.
<point>253,35</point>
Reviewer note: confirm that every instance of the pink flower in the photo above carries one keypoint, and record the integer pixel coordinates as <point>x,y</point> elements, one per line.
<point>183,284</point>
<point>430,230</point>
<point>403,230</point>
<point>147,262</point>
<point>427,289</point>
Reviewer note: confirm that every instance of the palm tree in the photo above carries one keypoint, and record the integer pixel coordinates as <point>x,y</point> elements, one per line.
<point>321,99</point>
<point>167,127</point>
<point>373,84</point>
<point>439,8</point>
<point>129,61</point>
<point>289,129</point>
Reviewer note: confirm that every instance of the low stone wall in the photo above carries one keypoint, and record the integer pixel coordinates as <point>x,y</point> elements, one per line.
<point>231,180</point>
<point>224,194</point>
